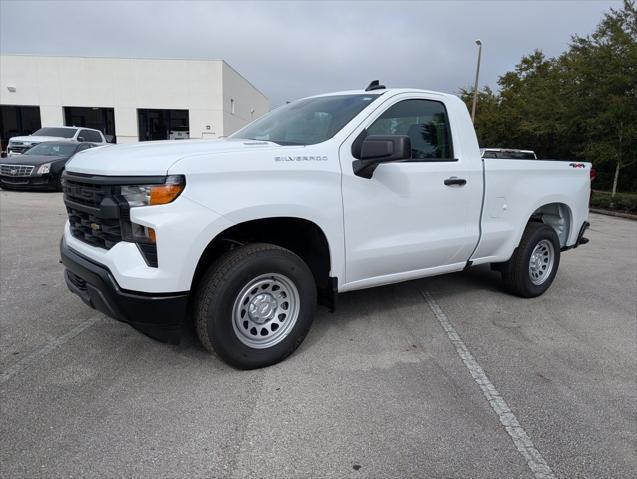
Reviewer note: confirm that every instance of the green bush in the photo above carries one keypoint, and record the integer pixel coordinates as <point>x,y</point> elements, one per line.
<point>626,202</point>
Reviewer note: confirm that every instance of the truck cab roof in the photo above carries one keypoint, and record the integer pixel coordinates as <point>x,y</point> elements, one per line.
<point>382,91</point>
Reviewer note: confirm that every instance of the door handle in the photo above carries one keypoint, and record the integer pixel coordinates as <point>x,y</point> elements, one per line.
<point>454,180</point>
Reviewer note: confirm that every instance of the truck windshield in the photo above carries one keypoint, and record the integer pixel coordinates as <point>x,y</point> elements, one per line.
<point>306,122</point>
<point>59,132</point>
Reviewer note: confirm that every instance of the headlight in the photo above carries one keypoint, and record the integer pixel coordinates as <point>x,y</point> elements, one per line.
<point>148,195</point>
<point>158,194</point>
<point>44,169</point>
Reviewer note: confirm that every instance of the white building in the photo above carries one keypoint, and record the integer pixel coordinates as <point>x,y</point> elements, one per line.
<point>130,99</point>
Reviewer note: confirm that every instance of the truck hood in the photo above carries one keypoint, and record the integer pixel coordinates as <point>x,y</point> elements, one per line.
<point>152,158</point>
<point>37,139</point>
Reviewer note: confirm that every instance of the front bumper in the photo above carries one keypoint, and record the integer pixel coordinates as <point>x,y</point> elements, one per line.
<point>158,315</point>
<point>46,181</point>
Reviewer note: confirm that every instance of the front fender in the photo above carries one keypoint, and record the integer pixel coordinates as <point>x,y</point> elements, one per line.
<point>267,211</point>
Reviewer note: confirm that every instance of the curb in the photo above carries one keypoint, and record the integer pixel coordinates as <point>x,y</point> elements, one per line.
<point>619,214</point>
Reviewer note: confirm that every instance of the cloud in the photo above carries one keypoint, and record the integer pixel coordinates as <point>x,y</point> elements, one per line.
<point>295,49</point>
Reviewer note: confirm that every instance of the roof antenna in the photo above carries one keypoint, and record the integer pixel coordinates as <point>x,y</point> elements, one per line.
<point>375,85</point>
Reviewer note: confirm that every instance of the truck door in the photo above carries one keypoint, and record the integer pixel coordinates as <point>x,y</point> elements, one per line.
<point>414,217</point>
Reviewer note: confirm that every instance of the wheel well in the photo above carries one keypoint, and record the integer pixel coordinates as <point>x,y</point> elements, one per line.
<point>557,216</point>
<point>302,237</point>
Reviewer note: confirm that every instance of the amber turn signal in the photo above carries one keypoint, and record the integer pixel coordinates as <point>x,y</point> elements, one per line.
<point>163,194</point>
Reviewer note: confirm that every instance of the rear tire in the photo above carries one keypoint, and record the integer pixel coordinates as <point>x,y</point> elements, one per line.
<point>533,266</point>
<point>255,305</point>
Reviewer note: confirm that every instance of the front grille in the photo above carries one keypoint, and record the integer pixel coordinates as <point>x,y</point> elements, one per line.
<point>94,230</point>
<point>94,212</point>
<point>100,216</point>
<point>18,148</point>
<point>15,170</point>
<point>86,193</point>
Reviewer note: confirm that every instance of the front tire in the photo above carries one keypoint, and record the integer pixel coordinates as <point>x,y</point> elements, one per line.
<point>255,305</point>
<point>533,266</point>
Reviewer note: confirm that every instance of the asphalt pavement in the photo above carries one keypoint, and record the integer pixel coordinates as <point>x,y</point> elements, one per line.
<point>445,377</point>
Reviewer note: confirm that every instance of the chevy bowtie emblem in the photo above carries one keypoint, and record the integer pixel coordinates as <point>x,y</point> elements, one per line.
<point>95,227</point>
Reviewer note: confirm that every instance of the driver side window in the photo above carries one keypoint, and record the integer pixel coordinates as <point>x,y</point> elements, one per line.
<point>426,124</point>
<point>89,135</point>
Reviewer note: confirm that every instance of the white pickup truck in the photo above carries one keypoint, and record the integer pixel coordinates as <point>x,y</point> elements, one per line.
<point>324,195</point>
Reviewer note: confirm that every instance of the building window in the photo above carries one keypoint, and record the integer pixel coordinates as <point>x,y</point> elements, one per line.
<point>163,124</point>
<point>232,106</point>
<point>18,121</point>
<point>102,119</point>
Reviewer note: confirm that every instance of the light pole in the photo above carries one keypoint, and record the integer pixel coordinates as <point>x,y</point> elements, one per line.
<point>475,87</point>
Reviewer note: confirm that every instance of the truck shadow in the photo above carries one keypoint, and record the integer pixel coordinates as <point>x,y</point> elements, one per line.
<point>396,296</point>
<point>390,301</point>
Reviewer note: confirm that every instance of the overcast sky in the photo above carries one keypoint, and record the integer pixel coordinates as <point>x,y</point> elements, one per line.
<point>294,49</point>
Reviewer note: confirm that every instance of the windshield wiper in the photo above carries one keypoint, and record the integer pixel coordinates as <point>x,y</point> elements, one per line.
<point>287,143</point>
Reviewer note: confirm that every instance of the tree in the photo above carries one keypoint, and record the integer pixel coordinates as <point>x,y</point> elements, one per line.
<point>527,111</point>
<point>488,125</point>
<point>581,105</point>
<point>603,70</point>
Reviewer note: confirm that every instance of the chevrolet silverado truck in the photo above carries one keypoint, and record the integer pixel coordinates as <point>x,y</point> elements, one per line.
<point>324,195</point>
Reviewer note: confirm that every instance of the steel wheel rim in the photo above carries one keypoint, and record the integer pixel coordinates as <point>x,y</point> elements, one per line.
<point>541,262</point>
<point>265,310</point>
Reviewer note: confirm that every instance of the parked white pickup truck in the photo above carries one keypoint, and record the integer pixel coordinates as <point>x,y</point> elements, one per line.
<point>327,194</point>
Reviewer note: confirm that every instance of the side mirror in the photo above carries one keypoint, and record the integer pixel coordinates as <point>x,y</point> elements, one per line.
<point>377,149</point>
<point>80,138</point>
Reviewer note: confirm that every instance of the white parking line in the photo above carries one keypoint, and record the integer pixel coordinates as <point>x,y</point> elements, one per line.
<point>520,438</point>
<point>47,348</point>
